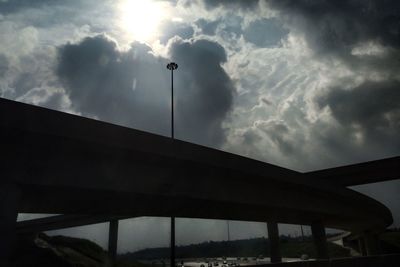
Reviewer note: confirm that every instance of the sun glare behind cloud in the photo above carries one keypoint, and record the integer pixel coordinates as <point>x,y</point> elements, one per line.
<point>141,19</point>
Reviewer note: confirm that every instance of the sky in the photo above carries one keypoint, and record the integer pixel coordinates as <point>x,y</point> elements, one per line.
<point>305,84</point>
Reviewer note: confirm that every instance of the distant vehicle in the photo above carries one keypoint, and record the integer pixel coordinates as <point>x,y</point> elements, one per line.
<point>216,263</point>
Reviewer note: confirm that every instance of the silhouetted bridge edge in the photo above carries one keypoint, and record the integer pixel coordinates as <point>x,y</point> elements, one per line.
<point>78,163</point>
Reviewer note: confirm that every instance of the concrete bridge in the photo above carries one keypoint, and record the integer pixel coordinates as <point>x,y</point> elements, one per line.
<point>53,162</point>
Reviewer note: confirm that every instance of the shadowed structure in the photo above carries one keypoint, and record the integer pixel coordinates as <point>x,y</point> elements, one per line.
<point>361,173</point>
<point>65,164</point>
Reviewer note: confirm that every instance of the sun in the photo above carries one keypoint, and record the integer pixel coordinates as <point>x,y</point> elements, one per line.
<point>141,19</point>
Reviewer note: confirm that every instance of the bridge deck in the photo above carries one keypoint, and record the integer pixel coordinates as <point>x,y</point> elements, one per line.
<point>72,165</point>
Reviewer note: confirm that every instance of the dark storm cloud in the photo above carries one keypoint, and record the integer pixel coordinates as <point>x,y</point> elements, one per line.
<point>13,6</point>
<point>206,91</point>
<point>278,132</point>
<point>172,29</point>
<point>56,14</point>
<point>366,104</point>
<point>25,82</point>
<point>245,4</point>
<point>132,88</point>
<point>230,26</point>
<point>265,32</point>
<point>208,27</point>
<point>3,65</point>
<point>372,109</point>
<point>122,87</point>
<point>337,26</point>
<point>367,115</point>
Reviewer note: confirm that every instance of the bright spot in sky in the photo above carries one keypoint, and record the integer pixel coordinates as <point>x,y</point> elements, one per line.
<point>141,19</point>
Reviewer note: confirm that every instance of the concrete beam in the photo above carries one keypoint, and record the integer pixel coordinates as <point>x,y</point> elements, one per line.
<point>113,239</point>
<point>274,244</point>
<point>64,221</point>
<point>319,236</point>
<point>9,196</point>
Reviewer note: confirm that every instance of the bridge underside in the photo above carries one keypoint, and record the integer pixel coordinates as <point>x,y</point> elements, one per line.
<point>64,164</point>
<point>56,200</point>
<point>69,164</point>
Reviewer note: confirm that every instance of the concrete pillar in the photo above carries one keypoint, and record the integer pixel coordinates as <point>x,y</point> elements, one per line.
<point>371,243</point>
<point>9,198</point>
<point>361,245</point>
<point>172,245</point>
<point>274,244</point>
<point>113,239</point>
<point>319,236</point>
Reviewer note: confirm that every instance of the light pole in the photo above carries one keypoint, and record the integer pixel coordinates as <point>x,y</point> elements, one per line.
<point>172,66</point>
<point>229,233</point>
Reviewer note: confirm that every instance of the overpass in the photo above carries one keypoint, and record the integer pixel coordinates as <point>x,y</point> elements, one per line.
<point>361,173</point>
<point>58,163</point>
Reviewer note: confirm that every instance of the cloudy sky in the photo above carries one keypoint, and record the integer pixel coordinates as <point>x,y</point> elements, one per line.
<point>305,84</point>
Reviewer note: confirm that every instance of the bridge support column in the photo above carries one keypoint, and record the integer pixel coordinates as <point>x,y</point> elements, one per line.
<point>113,239</point>
<point>371,243</point>
<point>9,198</point>
<point>274,244</point>
<point>319,236</point>
<point>361,245</point>
<point>172,245</point>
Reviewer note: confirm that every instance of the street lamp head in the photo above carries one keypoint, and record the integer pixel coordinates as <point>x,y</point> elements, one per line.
<point>172,66</point>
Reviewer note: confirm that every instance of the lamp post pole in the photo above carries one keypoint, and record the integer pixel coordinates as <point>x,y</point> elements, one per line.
<point>229,232</point>
<point>172,66</point>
